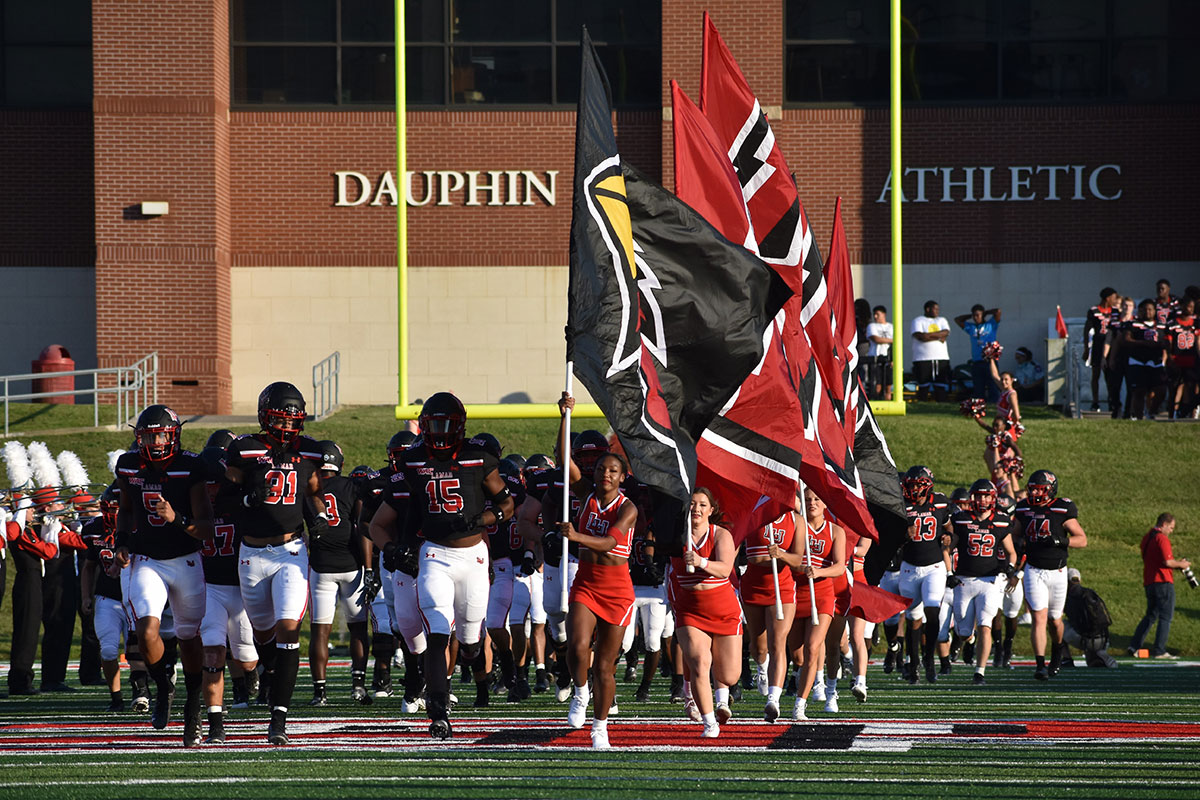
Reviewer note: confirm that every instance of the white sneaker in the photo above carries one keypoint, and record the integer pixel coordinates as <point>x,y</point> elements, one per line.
<point>831,702</point>
<point>562,695</point>
<point>577,714</point>
<point>410,706</point>
<point>760,683</point>
<point>860,691</point>
<point>771,711</point>
<point>818,690</point>
<point>798,710</point>
<point>600,739</point>
<point>613,710</point>
<point>453,699</point>
<point>723,713</point>
<point>711,730</point>
<point>691,710</point>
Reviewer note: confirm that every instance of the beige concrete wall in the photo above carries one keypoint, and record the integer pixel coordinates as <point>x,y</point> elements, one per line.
<point>495,334</point>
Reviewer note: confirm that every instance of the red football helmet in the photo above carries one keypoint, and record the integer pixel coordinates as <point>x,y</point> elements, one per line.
<point>157,433</point>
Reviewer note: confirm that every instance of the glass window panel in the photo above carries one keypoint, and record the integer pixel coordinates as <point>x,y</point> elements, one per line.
<point>857,20</point>
<point>369,21</point>
<point>424,21</point>
<point>613,21</point>
<point>948,19</point>
<point>500,20</point>
<point>60,21</point>
<point>1056,19</point>
<point>514,75</point>
<point>951,72</point>
<point>292,75</point>
<point>855,73</point>
<point>1183,70</point>
<point>368,75</point>
<point>1139,69</point>
<point>425,76</point>
<point>284,20</point>
<point>1053,71</point>
<point>634,74</point>
<point>48,77</point>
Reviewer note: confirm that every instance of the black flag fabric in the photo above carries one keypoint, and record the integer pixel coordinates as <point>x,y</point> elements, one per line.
<point>665,315</point>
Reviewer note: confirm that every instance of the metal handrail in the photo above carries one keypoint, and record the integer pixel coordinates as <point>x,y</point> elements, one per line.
<point>326,385</point>
<point>141,376</point>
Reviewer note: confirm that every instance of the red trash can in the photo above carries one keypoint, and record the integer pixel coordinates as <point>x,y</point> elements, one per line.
<point>54,358</point>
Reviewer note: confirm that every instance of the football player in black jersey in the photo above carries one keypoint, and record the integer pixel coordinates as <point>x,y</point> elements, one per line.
<point>1049,524</point>
<point>982,537</point>
<point>336,562</point>
<point>924,566</point>
<point>647,568</point>
<point>507,548</point>
<point>101,596</point>
<point>164,515</point>
<point>277,472</point>
<point>449,483</point>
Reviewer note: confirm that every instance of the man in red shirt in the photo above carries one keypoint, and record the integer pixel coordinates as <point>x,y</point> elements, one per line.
<point>1158,563</point>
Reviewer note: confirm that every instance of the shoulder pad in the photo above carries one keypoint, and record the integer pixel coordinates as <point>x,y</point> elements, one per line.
<point>308,447</point>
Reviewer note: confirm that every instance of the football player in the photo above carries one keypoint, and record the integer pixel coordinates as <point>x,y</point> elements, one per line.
<point>504,543</point>
<point>164,516</point>
<point>225,618</point>
<point>1049,524</point>
<point>647,568</point>
<point>982,538</point>
<point>277,471</point>
<point>527,615</point>
<point>924,566</point>
<point>101,592</point>
<point>336,560</point>
<point>448,482</point>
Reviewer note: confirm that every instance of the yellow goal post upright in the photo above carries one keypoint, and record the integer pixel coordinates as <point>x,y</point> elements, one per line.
<point>405,409</point>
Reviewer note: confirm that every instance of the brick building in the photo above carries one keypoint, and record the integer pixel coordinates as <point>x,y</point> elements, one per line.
<point>1050,149</point>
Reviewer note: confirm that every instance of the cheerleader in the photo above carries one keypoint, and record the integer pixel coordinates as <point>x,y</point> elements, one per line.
<point>767,631</point>
<point>820,555</point>
<point>601,599</point>
<point>708,618</point>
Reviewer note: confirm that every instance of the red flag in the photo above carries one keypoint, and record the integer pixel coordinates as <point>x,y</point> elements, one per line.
<point>1060,324</point>
<point>874,604</point>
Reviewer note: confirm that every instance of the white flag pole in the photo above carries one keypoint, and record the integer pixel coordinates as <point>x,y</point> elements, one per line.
<point>565,449</point>
<point>690,546</point>
<point>778,597</point>
<point>812,595</point>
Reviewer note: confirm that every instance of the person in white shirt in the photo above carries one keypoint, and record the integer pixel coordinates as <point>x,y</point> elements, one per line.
<point>879,335</point>
<point>1030,377</point>
<point>931,356</point>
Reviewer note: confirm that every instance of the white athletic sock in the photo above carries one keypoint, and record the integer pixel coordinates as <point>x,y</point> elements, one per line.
<point>830,685</point>
<point>722,695</point>
<point>583,691</point>
<point>774,693</point>
<point>599,724</point>
<point>687,690</point>
<point>710,718</point>
<point>214,709</point>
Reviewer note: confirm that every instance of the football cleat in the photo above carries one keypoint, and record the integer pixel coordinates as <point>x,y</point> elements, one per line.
<point>162,709</point>
<point>360,695</point>
<point>723,713</point>
<point>859,690</point>
<point>771,711</point>
<point>520,691</point>
<point>968,651</point>
<point>676,688</point>
<point>440,729</point>
<point>577,713</point>
<point>711,730</point>
<point>141,705</point>
<point>691,710</point>
<point>543,681</point>
<point>410,706</point>
<point>191,728</point>
<point>116,706</point>
<point>930,674</point>
<point>643,694</point>
<point>946,668</point>
<point>978,679</point>
<point>889,659</point>
<point>481,695</point>
<point>277,731</point>
<point>630,673</point>
<point>563,694</point>
<point>319,699</point>
<point>1041,674</point>
<point>798,710</point>
<point>216,734</point>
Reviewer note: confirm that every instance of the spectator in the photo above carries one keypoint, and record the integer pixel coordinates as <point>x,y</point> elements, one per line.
<point>1095,348</point>
<point>1157,565</point>
<point>1029,375</point>
<point>1166,305</point>
<point>862,318</point>
<point>1145,343</point>
<point>1182,360</point>
<point>931,356</point>
<point>982,331</point>
<point>1086,625</point>
<point>1118,354</point>
<point>879,356</point>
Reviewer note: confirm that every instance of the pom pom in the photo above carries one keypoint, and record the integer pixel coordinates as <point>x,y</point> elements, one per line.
<point>73,472</point>
<point>16,462</point>
<point>992,351</point>
<point>113,455</point>
<point>973,407</point>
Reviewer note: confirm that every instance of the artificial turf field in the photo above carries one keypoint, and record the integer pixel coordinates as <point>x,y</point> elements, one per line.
<point>1131,732</point>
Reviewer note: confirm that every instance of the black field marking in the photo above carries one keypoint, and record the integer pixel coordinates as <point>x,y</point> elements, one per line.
<point>823,736</point>
<point>530,737</point>
<point>989,729</point>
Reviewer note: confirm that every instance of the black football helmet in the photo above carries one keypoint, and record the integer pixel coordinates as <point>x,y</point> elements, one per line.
<point>110,503</point>
<point>331,455</point>
<point>983,496</point>
<point>510,471</point>
<point>918,482</point>
<point>587,448</point>
<point>156,433</point>
<point>214,461</point>
<point>487,443</point>
<point>1005,503</point>
<point>396,445</point>
<point>443,423</point>
<point>1043,487</point>
<point>281,411</point>
<point>517,459</point>
<point>960,497</point>
<point>221,439</point>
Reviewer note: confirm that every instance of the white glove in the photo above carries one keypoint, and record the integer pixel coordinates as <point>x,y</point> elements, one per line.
<point>5,516</point>
<point>50,529</point>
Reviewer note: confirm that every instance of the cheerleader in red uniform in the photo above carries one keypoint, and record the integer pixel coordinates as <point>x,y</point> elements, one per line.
<point>708,618</point>
<point>843,584</point>
<point>601,600</point>
<point>824,560</point>
<point>768,634</point>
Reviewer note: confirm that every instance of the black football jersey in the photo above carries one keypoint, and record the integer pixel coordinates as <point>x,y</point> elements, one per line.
<point>101,546</point>
<point>444,494</point>
<point>336,551</point>
<point>1044,530</point>
<point>980,543</point>
<point>374,492</point>
<point>152,536</point>
<point>219,555</point>
<point>504,540</point>
<point>549,485</point>
<point>647,564</point>
<point>928,519</point>
<point>286,471</point>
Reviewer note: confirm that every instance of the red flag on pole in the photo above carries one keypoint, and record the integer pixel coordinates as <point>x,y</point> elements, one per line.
<point>1059,324</point>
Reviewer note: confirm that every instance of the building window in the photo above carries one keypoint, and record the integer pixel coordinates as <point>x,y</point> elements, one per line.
<point>45,54</point>
<point>994,51</point>
<point>477,53</point>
